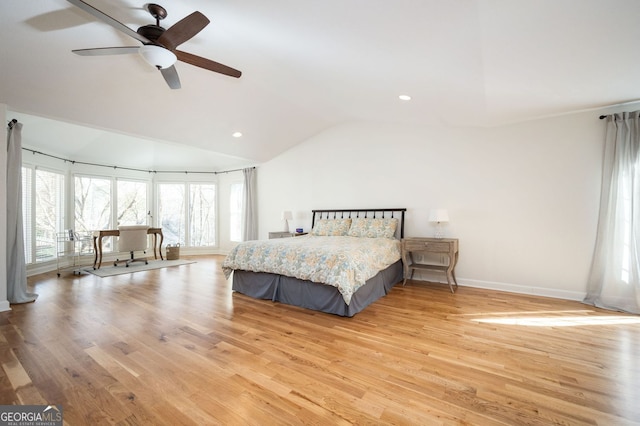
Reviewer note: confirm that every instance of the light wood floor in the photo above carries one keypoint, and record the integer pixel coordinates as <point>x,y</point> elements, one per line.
<point>176,346</point>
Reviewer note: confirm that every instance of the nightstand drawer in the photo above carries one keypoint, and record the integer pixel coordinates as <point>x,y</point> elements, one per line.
<point>436,247</point>
<point>431,246</point>
<point>273,235</point>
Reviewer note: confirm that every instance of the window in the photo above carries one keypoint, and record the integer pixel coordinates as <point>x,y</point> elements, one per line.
<point>42,213</point>
<point>92,203</point>
<point>187,211</point>
<point>235,212</point>
<point>202,214</point>
<point>171,209</point>
<point>49,213</point>
<point>198,217</point>
<point>131,202</point>
<point>27,212</point>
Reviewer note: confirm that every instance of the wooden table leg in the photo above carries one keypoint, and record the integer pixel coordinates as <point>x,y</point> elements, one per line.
<point>155,243</point>
<point>95,252</point>
<point>451,275</point>
<point>99,252</point>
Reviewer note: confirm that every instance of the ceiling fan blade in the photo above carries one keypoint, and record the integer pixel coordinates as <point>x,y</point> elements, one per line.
<point>109,20</point>
<point>101,51</point>
<point>183,30</point>
<point>207,64</point>
<point>171,77</point>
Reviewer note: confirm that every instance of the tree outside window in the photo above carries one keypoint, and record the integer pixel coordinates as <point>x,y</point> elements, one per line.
<point>27,219</point>
<point>171,212</point>
<point>202,214</point>
<point>42,213</point>
<point>49,212</point>
<point>131,202</point>
<point>93,206</point>
<point>92,203</point>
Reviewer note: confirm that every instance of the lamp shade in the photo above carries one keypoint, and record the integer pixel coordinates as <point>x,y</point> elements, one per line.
<point>287,215</point>
<point>157,56</point>
<point>438,215</point>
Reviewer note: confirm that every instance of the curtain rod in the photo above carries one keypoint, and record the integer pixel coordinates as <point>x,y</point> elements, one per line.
<point>128,168</point>
<point>631,102</point>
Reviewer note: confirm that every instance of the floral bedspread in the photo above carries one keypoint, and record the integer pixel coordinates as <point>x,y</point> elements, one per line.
<point>342,262</point>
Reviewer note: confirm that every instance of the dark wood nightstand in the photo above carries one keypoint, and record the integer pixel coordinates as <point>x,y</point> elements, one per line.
<point>444,246</point>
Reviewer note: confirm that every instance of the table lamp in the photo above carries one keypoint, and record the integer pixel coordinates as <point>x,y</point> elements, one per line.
<point>439,216</point>
<point>286,216</point>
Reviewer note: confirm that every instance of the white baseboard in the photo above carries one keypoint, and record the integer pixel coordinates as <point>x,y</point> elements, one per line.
<point>5,306</point>
<point>519,289</point>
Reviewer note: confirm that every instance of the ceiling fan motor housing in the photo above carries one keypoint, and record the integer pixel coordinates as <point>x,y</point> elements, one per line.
<point>151,32</point>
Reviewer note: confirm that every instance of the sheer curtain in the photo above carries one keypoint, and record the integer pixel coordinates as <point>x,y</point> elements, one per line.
<point>614,281</point>
<point>16,267</point>
<point>249,202</point>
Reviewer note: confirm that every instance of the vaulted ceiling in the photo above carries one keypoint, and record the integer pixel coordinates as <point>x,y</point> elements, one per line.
<point>307,66</point>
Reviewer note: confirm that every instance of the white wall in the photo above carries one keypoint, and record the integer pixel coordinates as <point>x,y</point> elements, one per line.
<point>4,303</point>
<point>522,199</point>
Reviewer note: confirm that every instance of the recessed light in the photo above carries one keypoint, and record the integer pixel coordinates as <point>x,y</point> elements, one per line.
<point>404,97</point>
<point>237,134</point>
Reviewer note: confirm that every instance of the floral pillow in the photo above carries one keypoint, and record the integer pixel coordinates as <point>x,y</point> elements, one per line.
<point>373,228</point>
<point>331,227</point>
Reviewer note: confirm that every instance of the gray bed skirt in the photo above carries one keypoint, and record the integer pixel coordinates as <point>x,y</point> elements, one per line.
<point>316,296</point>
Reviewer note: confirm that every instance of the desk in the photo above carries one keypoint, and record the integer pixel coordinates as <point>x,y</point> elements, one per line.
<point>99,235</point>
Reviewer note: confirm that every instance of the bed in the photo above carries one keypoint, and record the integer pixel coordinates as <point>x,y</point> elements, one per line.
<point>348,260</point>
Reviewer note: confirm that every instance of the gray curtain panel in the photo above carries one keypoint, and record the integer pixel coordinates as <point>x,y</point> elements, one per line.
<point>614,280</point>
<point>249,205</point>
<point>16,267</point>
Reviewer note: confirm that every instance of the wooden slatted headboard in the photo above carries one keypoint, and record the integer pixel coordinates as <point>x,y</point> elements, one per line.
<point>355,213</point>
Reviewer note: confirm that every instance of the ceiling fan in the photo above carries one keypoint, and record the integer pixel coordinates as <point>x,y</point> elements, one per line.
<point>158,44</point>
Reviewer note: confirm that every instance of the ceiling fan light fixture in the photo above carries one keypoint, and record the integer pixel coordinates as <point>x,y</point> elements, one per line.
<point>157,56</point>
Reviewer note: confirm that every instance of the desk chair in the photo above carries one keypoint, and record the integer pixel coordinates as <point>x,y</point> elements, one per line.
<point>132,238</point>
